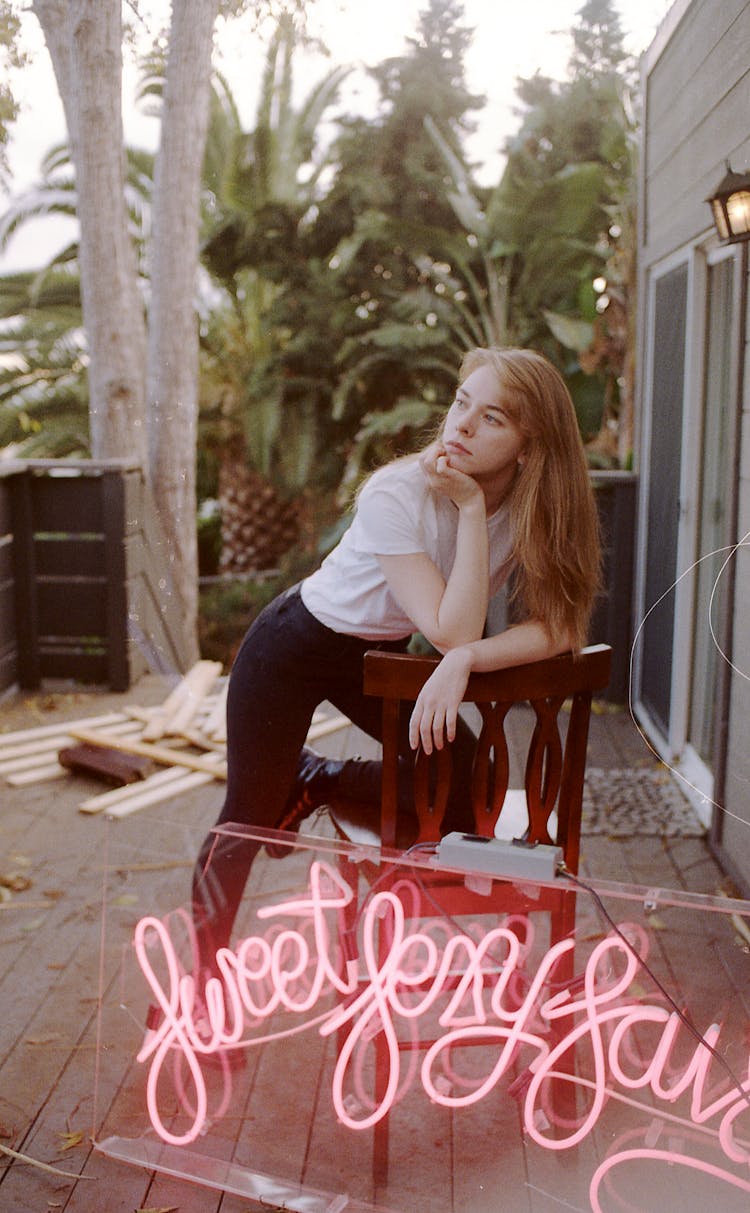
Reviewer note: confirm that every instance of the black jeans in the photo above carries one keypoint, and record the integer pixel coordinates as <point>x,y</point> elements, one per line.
<point>287,665</point>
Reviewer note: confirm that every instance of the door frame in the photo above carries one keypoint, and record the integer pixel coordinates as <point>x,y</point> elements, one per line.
<point>697,778</point>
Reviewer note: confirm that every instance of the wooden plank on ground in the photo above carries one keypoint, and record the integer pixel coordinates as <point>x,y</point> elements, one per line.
<point>61,727</point>
<point>182,698</point>
<point>215,724</point>
<point>204,676</point>
<point>43,774</point>
<point>160,754</point>
<point>37,753</point>
<point>107,800</point>
<point>146,797</point>
<point>30,762</point>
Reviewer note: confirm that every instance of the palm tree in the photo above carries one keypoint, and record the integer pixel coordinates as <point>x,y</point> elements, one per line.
<point>43,384</point>
<point>260,416</point>
<point>43,395</point>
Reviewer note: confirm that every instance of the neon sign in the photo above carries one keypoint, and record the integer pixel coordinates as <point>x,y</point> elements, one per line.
<point>476,985</point>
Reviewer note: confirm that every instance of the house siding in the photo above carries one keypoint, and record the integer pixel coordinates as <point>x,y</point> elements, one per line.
<point>696,117</point>
<point>697,101</point>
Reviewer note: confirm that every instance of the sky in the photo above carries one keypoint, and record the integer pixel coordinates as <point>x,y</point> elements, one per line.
<point>511,39</point>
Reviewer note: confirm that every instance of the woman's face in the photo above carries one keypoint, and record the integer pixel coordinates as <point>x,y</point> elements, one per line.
<point>479,437</point>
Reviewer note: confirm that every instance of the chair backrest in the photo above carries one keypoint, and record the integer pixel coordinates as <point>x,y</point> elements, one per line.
<point>555,757</point>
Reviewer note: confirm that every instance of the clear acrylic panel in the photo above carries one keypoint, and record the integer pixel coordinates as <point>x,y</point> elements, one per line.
<point>392,1035</point>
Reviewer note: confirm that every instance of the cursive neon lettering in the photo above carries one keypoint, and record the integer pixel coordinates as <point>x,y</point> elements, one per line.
<point>301,961</point>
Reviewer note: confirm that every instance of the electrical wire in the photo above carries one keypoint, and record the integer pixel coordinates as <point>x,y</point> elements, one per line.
<point>684,1019</point>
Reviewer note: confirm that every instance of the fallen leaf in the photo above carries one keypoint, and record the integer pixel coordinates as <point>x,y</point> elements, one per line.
<point>161,1209</point>
<point>125,899</point>
<point>15,882</point>
<point>53,894</point>
<point>69,1141</point>
<point>42,1040</point>
<point>33,926</point>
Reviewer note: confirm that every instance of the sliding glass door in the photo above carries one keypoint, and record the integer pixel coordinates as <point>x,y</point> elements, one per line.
<point>689,472</point>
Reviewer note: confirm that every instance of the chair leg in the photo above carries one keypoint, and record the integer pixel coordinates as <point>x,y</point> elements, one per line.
<point>348,919</point>
<point>348,931</point>
<point>564,1104</point>
<point>382,1128</point>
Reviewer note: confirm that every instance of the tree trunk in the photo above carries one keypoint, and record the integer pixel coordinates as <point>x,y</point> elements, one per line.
<point>84,40</point>
<point>173,333</point>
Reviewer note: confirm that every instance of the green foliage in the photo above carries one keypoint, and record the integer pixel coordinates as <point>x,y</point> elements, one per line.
<point>225,612</point>
<point>398,255</point>
<point>11,56</point>
<point>43,397</point>
<point>227,607</point>
<point>385,435</point>
<point>349,276</point>
<point>562,214</point>
<point>265,381</point>
<point>43,382</point>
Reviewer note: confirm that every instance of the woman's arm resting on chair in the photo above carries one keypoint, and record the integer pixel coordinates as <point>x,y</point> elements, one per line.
<point>436,709</point>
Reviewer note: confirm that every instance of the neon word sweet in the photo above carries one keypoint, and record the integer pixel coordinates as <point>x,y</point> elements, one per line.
<point>301,963</point>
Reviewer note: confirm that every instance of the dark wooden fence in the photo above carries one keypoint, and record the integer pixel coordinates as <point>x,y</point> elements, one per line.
<point>84,590</point>
<point>613,618</point>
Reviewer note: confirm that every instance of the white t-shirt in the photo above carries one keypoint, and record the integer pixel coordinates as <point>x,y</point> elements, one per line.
<point>396,515</point>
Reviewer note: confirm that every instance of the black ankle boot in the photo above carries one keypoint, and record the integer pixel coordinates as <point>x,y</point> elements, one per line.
<point>314,785</point>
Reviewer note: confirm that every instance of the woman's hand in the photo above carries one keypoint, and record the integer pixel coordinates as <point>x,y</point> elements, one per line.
<point>436,710</point>
<point>446,480</point>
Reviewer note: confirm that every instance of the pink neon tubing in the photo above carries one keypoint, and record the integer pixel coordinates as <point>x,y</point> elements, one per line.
<point>280,965</point>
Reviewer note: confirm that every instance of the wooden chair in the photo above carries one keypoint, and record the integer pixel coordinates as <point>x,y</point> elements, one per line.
<point>554,767</point>
<point>553,778</point>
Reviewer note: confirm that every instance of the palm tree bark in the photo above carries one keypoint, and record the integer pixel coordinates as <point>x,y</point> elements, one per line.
<point>84,41</point>
<point>173,332</point>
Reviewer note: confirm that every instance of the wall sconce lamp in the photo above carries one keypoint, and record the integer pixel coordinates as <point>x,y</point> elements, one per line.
<point>730,203</point>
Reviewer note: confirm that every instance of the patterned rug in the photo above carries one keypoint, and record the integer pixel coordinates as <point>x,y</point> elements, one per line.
<point>646,800</point>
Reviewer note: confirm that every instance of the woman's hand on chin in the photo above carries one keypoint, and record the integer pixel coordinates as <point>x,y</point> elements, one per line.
<point>433,720</point>
<point>446,480</point>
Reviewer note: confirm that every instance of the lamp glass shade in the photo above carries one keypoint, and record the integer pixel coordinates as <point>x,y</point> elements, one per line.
<point>730,204</point>
<point>738,210</point>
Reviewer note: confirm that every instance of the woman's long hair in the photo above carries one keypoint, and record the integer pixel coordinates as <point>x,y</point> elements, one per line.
<point>556,545</point>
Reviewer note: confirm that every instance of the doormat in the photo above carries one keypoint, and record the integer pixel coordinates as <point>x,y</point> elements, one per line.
<point>644,800</point>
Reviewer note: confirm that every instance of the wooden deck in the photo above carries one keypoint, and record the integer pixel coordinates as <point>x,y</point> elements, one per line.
<point>65,1074</point>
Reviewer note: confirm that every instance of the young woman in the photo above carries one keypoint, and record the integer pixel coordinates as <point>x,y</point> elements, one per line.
<point>504,489</point>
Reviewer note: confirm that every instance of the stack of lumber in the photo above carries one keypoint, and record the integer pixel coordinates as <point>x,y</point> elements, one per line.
<point>183,740</point>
